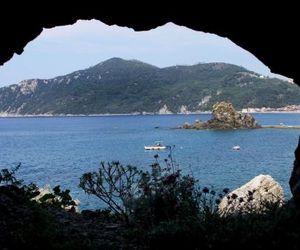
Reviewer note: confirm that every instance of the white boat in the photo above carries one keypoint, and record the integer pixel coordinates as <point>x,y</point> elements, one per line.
<point>155,146</point>
<point>236,147</point>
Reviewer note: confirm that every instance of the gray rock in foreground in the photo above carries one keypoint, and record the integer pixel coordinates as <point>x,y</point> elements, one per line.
<point>257,196</point>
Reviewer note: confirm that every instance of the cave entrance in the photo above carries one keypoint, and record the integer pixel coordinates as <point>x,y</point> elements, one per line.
<point>135,87</point>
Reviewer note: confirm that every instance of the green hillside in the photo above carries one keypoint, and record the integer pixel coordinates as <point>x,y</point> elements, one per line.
<point>119,86</point>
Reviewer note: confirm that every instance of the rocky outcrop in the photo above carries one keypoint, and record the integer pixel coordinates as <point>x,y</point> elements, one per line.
<point>47,195</point>
<point>255,196</point>
<point>295,177</point>
<point>164,111</point>
<point>225,117</point>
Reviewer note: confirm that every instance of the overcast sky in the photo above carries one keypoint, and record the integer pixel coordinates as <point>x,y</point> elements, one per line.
<point>65,49</point>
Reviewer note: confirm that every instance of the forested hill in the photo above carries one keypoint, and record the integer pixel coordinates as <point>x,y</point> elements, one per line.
<point>118,86</point>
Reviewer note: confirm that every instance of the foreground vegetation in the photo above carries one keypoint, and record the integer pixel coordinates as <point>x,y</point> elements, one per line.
<point>159,209</point>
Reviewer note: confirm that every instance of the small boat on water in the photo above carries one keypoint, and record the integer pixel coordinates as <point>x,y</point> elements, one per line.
<point>236,147</point>
<point>156,146</point>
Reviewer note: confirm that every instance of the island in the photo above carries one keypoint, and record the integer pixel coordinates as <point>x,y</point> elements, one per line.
<point>224,116</point>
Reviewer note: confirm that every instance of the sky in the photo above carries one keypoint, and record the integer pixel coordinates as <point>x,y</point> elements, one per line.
<point>62,50</point>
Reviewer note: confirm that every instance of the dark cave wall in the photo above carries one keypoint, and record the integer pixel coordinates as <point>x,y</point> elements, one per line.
<point>294,181</point>
<point>270,33</point>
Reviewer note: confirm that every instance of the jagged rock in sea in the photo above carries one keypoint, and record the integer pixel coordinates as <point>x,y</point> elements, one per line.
<point>256,196</point>
<point>224,116</point>
<point>294,181</point>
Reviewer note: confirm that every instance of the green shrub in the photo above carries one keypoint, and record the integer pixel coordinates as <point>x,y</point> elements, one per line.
<point>165,195</point>
<point>7,177</point>
<point>147,198</point>
<point>116,185</point>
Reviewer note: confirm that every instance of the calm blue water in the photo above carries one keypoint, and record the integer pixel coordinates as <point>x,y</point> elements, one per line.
<point>59,150</point>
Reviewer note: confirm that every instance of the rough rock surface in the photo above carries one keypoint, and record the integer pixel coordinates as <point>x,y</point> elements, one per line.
<point>225,117</point>
<point>255,196</point>
<point>295,177</point>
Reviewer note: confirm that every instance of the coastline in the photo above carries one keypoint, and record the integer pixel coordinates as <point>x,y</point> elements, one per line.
<point>133,114</point>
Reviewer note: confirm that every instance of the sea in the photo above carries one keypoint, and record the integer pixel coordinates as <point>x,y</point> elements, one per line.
<point>58,150</point>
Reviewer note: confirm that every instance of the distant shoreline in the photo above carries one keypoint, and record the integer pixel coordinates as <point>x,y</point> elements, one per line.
<point>134,114</point>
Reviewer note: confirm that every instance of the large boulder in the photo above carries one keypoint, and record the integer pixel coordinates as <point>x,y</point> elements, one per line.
<point>256,196</point>
<point>295,177</point>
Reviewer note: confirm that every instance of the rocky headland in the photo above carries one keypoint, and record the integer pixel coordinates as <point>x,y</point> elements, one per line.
<point>224,116</point>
